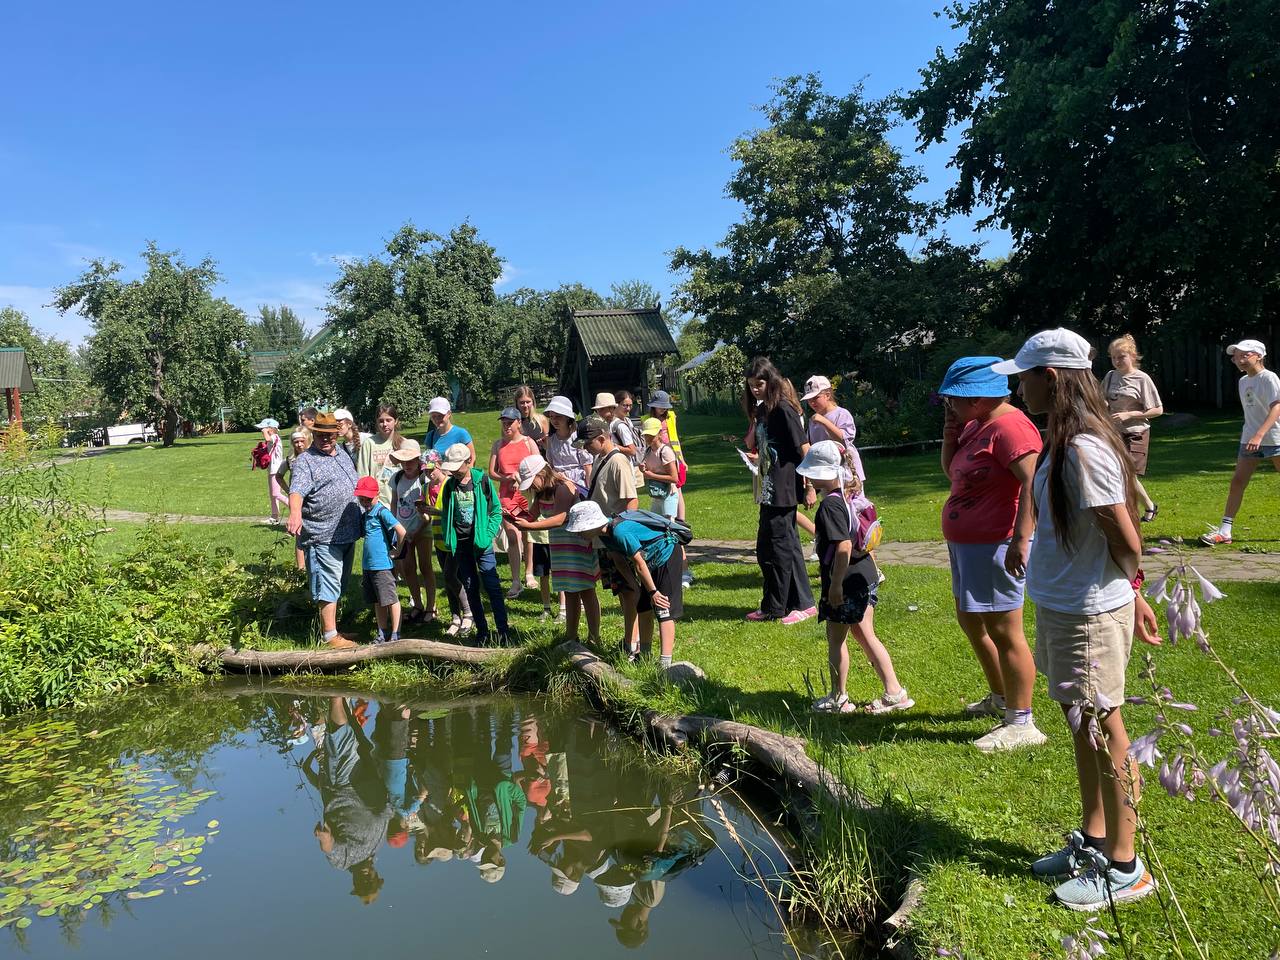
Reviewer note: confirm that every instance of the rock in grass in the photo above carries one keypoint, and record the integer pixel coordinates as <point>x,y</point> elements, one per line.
<point>685,674</point>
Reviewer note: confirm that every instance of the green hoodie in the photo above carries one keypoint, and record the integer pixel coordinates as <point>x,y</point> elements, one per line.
<point>488,511</point>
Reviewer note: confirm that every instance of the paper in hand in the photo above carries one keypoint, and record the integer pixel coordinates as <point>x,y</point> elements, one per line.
<point>747,460</point>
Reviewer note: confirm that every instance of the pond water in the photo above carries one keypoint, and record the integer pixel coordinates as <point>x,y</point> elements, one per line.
<point>259,821</point>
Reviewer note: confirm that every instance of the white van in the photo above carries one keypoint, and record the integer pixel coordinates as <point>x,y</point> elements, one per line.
<point>125,433</point>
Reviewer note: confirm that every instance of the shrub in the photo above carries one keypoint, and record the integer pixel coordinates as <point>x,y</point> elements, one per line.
<point>77,622</point>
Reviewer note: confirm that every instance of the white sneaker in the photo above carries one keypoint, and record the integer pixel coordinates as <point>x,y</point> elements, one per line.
<point>986,707</point>
<point>1011,736</point>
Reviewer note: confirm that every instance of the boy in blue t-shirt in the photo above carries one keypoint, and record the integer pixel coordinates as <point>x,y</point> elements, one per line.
<point>649,563</point>
<point>381,531</point>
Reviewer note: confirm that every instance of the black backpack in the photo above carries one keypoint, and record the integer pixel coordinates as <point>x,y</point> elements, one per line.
<point>678,529</point>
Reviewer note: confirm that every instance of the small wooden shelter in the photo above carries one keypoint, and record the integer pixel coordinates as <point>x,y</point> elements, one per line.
<point>15,376</point>
<point>610,350</point>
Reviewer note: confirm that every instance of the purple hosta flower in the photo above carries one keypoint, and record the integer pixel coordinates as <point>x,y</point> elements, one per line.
<point>1153,551</point>
<point>1190,707</point>
<point>1173,776</point>
<point>1207,589</point>
<point>1144,748</point>
<point>1156,591</point>
<point>1074,716</point>
<point>1088,944</point>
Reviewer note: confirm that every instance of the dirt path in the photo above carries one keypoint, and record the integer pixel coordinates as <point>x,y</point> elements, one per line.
<point>1216,565</point>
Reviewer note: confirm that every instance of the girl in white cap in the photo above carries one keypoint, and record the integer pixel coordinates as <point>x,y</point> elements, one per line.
<point>849,582</point>
<point>349,435</point>
<point>275,447</point>
<point>444,433</point>
<point>1260,436</point>
<point>1083,574</point>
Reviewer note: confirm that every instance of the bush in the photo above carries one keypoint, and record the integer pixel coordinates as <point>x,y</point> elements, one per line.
<point>77,623</point>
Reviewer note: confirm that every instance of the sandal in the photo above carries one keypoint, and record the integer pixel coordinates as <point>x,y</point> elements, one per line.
<point>830,704</point>
<point>886,703</point>
<point>515,591</point>
<point>1150,515</point>
<point>413,616</point>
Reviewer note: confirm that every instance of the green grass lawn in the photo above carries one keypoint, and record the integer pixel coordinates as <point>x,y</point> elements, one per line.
<point>979,819</point>
<point>1190,470</point>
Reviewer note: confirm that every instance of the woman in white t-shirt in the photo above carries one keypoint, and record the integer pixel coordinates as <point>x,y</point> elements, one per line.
<point>1084,577</point>
<point>1133,402</point>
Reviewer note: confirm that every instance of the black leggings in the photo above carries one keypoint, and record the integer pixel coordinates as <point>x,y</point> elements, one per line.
<point>786,579</point>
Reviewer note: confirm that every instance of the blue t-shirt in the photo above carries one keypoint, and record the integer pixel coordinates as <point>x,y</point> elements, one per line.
<point>440,442</point>
<point>379,524</point>
<point>627,536</point>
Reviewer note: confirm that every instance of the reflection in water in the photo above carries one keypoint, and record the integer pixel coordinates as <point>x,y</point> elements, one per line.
<point>459,783</point>
<point>484,826</point>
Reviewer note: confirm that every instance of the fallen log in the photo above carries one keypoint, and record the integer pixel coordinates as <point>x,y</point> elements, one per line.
<point>323,659</point>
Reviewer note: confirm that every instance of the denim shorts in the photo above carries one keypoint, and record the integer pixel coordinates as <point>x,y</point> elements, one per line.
<point>979,580</point>
<point>1264,452</point>
<point>667,505</point>
<point>328,566</point>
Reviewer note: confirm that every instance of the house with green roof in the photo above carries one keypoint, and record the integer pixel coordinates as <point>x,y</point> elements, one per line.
<point>15,376</point>
<point>263,363</point>
<point>610,350</point>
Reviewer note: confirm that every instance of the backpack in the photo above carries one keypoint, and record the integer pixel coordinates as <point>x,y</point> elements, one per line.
<point>260,458</point>
<point>678,529</point>
<point>865,530</point>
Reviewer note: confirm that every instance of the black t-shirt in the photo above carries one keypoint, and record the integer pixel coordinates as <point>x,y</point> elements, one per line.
<point>785,434</point>
<point>831,524</point>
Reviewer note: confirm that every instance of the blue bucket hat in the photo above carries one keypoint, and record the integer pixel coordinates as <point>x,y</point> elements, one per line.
<point>973,377</point>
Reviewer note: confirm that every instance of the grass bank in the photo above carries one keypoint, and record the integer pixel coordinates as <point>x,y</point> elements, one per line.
<point>1190,469</point>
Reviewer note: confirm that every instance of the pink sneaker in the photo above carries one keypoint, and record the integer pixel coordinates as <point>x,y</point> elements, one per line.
<point>797,616</point>
<point>757,616</point>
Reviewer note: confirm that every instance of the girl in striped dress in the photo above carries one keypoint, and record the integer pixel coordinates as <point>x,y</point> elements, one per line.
<point>573,561</point>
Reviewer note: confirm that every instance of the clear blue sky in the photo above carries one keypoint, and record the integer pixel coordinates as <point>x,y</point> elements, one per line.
<point>584,140</point>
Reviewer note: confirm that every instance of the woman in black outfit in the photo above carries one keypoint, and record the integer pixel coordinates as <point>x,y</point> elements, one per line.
<point>777,443</point>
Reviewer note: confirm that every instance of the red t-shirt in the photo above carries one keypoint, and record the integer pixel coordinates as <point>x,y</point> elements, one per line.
<point>984,493</point>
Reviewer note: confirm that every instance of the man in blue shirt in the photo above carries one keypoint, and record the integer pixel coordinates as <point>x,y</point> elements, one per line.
<point>324,516</point>
<point>648,562</point>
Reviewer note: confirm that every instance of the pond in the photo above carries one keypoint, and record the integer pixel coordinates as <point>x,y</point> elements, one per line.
<point>261,821</point>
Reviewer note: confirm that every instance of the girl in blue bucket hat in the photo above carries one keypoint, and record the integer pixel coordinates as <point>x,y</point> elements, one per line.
<point>989,452</point>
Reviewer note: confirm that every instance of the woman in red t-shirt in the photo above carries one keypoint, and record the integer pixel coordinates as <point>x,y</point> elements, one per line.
<point>989,451</point>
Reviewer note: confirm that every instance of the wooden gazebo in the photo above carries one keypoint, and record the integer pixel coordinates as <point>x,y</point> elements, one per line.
<point>610,350</point>
<point>15,376</point>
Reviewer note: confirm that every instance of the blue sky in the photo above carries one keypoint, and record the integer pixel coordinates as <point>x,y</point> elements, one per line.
<point>584,140</point>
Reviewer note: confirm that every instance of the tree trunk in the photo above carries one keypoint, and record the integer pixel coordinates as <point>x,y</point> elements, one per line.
<point>323,659</point>
<point>170,426</point>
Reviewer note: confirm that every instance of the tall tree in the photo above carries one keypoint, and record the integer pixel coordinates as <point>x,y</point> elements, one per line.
<point>534,329</point>
<point>816,274</point>
<point>1131,148</point>
<point>162,347</point>
<point>406,320</point>
<point>62,390</point>
<point>638,294</point>
<point>277,328</point>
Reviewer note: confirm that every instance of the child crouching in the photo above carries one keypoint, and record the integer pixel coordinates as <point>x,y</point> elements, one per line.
<point>849,579</point>
<point>382,534</point>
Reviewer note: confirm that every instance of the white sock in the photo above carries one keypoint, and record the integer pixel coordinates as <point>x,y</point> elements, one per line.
<point>1225,529</point>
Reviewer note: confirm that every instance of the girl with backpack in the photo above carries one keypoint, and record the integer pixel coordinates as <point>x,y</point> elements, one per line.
<point>410,497</point>
<point>504,461</point>
<point>776,445</point>
<point>573,562</point>
<point>660,470</point>
<point>989,450</point>
<point>847,531</point>
<point>1084,575</point>
<point>271,460</point>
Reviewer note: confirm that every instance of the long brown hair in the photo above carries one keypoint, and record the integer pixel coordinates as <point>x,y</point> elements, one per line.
<point>762,368</point>
<point>397,438</point>
<point>1077,406</point>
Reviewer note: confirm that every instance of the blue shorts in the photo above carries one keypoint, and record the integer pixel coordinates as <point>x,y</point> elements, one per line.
<point>1264,452</point>
<point>328,566</point>
<point>979,580</point>
<point>668,506</point>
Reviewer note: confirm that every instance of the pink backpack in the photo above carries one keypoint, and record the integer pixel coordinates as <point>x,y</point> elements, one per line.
<point>865,530</point>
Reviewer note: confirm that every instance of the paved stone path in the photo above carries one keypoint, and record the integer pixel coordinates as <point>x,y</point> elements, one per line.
<point>1214,564</point>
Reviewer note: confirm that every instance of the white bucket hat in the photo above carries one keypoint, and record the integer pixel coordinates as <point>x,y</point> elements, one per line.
<point>560,405</point>
<point>1060,348</point>
<point>604,400</point>
<point>267,422</point>
<point>583,516</point>
<point>822,462</point>
<point>408,450</point>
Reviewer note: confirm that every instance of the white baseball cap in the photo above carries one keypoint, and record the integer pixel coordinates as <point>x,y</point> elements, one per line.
<point>439,405</point>
<point>529,468</point>
<point>454,457</point>
<point>1060,348</point>
<point>268,422</point>
<point>583,516</point>
<point>1247,346</point>
<point>814,386</point>
<point>560,405</point>
<point>822,462</point>
<point>342,413</point>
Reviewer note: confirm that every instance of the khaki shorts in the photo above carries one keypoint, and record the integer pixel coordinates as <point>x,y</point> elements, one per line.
<point>1138,445</point>
<point>1089,652</point>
